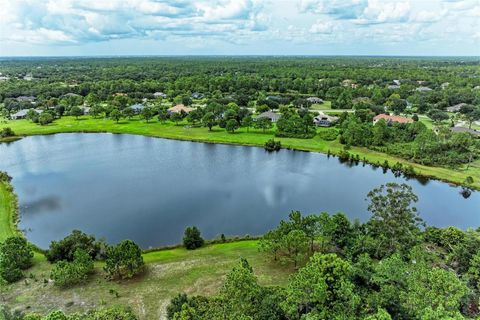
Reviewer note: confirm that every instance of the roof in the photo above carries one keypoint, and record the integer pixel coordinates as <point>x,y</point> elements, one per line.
<point>456,107</point>
<point>23,112</point>
<point>25,98</point>
<point>180,108</point>
<point>462,129</point>
<point>269,114</point>
<point>137,106</point>
<point>314,100</point>
<point>324,117</point>
<point>393,86</point>
<point>159,94</point>
<point>423,89</point>
<point>389,118</point>
<point>71,94</point>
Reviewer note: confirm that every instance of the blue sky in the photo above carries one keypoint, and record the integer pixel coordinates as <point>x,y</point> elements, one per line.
<point>239,27</point>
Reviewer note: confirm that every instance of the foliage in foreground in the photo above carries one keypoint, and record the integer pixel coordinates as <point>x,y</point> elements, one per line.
<point>15,255</point>
<point>387,268</point>
<point>66,273</point>
<point>124,260</point>
<point>113,313</point>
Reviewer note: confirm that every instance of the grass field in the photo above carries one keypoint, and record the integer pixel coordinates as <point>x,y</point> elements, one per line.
<point>167,273</point>
<point>7,211</point>
<point>253,137</point>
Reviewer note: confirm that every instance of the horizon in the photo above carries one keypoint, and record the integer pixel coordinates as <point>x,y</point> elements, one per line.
<point>88,28</point>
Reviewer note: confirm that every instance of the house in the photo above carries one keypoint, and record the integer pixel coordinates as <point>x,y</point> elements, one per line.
<point>456,108</point>
<point>159,95</point>
<point>25,99</point>
<point>179,108</point>
<point>273,98</point>
<point>396,82</point>
<point>315,100</point>
<point>393,86</point>
<point>22,114</point>
<point>269,114</point>
<point>423,89</point>
<point>85,109</point>
<point>137,107</point>
<point>197,95</point>
<point>390,119</point>
<point>324,120</point>
<point>70,95</point>
<point>28,77</point>
<point>473,132</point>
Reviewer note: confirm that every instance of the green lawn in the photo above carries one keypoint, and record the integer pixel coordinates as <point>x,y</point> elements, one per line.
<point>326,105</point>
<point>7,210</point>
<point>168,272</point>
<point>253,137</point>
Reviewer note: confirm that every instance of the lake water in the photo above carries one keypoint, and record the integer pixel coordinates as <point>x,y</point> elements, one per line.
<point>149,189</point>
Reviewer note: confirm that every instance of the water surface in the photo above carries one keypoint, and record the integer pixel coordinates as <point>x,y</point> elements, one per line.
<point>149,189</point>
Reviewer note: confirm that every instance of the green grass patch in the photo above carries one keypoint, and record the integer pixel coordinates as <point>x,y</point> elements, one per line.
<point>7,212</point>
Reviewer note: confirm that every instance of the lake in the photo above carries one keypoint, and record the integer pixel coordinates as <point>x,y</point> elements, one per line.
<point>146,189</point>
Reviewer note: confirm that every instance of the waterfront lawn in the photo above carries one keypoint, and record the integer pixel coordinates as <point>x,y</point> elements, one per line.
<point>168,272</point>
<point>7,209</point>
<point>254,137</point>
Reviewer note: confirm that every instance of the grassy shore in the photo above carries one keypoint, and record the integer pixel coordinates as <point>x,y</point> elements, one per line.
<point>8,211</point>
<point>253,138</point>
<point>168,272</point>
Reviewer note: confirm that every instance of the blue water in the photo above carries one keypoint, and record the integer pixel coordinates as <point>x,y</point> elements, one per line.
<point>150,189</point>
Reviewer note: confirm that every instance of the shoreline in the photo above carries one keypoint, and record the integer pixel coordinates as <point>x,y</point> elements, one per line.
<point>371,157</point>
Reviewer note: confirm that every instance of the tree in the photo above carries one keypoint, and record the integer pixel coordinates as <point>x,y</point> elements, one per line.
<point>472,116</point>
<point>209,120</point>
<point>192,239</point>
<point>15,256</point>
<point>76,112</point>
<point>239,290</point>
<point>66,273</point>
<point>321,290</point>
<point>123,260</point>
<point>115,115</point>
<point>195,116</point>
<point>437,115</point>
<point>45,118</point>
<point>65,248</point>
<point>271,242</point>
<point>394,222</point>
<point>148,113</point>
<point>263,123</point>
<point>176,117</point>
<point>128,113</point>
<point>32,115</point>
<point>247,122</point>
<point>231,125</point>
<point>296,244</point>
<point>162,115</point>
<point>96,110</point>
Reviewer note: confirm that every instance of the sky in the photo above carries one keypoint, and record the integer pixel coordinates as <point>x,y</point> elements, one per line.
<point>239,27</point>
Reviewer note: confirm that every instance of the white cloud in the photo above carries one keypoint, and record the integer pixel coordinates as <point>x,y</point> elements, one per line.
<point>322,27</point>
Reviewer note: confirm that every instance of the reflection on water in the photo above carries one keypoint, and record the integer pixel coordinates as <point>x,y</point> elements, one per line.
<point>148,190</point>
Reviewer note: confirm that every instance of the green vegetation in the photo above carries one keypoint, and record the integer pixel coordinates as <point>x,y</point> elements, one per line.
<point>192,239</point>
<point>123,260</point>
<point>66,273</point>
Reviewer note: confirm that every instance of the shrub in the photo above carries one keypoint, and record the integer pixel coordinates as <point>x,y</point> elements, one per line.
<point>124,260</point>
<point>328,135</point>
<point>6,132</point>
<point>65,249</point>
<point>192,239</point>
<point>66,273</point>
<point>272,145</point>
<point>15,255</point>
<point>45,118</point>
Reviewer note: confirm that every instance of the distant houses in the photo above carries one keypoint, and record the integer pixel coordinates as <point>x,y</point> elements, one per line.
<point>71,95</point>
<point>315,100</point>
<point>197,95</point>
<point>22,114</point>
<point>393,86</point>
<point>456,108</point>
<point>137,107</point>
<point>391,119</point>
<point>179,108</point>
<point>25,99</point>
<point>324,120</point>
<point>274,117</point>
<point>423,89</point>
<point>159,95</point>
<point>473,132</point>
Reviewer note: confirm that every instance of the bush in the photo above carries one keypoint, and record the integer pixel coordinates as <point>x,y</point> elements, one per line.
<point>45,118</point>
<point>4,177</point>
<point>124,260</point>
<point>6,132</point>
<point>192,239</point>
<point>65,249</point>
<point>272,145</point>
<point>66,273</point>
<point>328,135</point>
<point>15,255</point>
